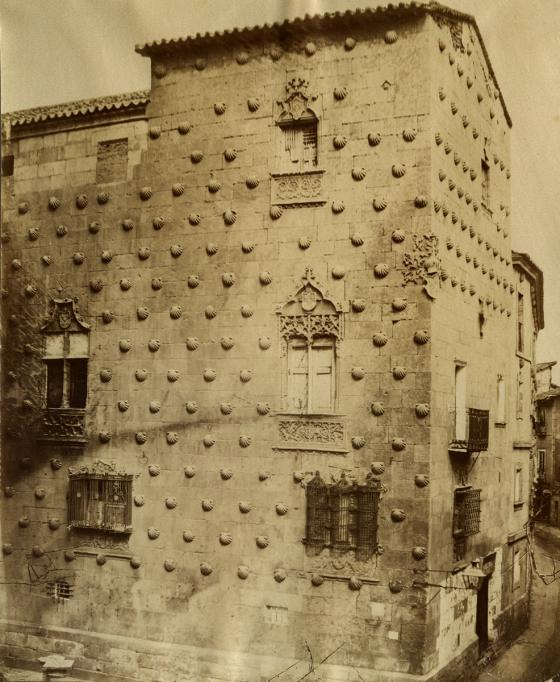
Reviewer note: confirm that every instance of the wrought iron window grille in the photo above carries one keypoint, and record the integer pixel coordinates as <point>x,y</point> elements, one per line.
<point>100,502</point>
<point>466,518</point>
<point>343,516</point>
<point>477,429</point>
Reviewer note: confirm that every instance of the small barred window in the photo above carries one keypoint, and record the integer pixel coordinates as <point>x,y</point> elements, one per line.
<point>466,518</point>
<point>100,502</point>
<point>343,515</point>
<point>60,590</point>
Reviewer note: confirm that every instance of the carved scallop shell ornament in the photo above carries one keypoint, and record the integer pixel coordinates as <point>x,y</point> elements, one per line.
<point>358,373</point>
<point>359,173</point>
<point>399,372</point>
<point>374,139</point>
<point>339,141</point>
<point>141,437</point>
<point>379,204</point>
<point>358,305</point>
<point>377,409</point>
<point>123,405</point>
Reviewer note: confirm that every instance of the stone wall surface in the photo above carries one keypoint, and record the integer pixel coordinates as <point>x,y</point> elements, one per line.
<point>182,262</point>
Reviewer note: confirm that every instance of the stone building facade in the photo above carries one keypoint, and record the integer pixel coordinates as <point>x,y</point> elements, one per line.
<point>260,368</point>
<point>547,425</point>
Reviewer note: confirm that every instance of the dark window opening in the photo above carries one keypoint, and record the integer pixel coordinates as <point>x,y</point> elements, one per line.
<point>343,515</point>
<point>101,502</point>
<point>520,324</point>
<point>485,171</point>
<point>55,382</point>
<point>7,165</point>
<point>78,382</point>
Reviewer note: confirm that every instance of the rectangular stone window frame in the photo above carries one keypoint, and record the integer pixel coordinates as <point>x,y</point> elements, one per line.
<point>460,401</point>
<point>517,486</point>
<point>541,461</point>
<point>500,401</point>
<point>516,568</point>
<point>485,184</point>
<point>520,323</point>
<point>66,359</point>
<point>100,502</point>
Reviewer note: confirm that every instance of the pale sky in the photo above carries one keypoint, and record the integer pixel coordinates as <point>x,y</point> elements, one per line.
<point>59,50</point>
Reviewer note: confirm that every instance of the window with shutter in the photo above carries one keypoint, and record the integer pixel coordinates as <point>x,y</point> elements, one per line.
<point>298,375</point>
<point>66,357</point>
<point>321,375</point>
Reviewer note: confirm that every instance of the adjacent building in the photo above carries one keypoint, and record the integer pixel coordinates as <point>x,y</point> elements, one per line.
<point>547,426</point>
<point>269,361</point>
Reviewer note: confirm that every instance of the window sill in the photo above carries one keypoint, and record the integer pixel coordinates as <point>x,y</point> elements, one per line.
<point>521,354</point>
<point>500,425</point>
<point>289,413</point>
<point>518,505</point>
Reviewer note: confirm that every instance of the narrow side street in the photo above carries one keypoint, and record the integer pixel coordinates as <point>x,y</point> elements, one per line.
<point>535,656</point>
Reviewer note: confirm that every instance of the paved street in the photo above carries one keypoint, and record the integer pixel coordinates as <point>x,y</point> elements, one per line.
<point>535,656</point>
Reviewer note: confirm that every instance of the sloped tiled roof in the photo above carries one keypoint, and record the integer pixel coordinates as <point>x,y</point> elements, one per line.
<point>545,365</point>
<point>82,107</point>
<point>316,21</point>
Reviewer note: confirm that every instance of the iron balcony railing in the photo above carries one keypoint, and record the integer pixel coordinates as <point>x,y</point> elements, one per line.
<point>475,428</point>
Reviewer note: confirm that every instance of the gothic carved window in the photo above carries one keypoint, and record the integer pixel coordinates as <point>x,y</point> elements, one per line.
<point>342,515</point>
<point>100,500</point>
<point>311,328</point>
<point>66,357</point>
<point>297,123</point>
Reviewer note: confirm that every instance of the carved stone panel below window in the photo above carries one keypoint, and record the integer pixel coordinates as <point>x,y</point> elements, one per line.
<point>63,426</point>
<point>297,189</point>
<point>312,433</point>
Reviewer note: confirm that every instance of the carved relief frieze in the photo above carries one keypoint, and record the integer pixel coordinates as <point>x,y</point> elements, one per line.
<point>311,431</point>
<point>297,189</point>
<point>63,426</point>
<point>423,265</point>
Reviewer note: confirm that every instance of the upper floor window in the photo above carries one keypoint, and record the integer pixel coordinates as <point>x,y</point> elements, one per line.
<point>460,402</point>
<point>520,324</point>
<point>343,515</point>
<point>66,357</point>
<point>298,125</point>
<point>485,173</point>
<point>311,328</point>
<point>311,386</point>
<point>501,401</point>
<point>518,486</point>
<point>541,462</point>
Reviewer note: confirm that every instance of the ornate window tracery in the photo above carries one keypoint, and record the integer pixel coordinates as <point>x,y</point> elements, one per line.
<point>66,356</point>
<point>311,329</point>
